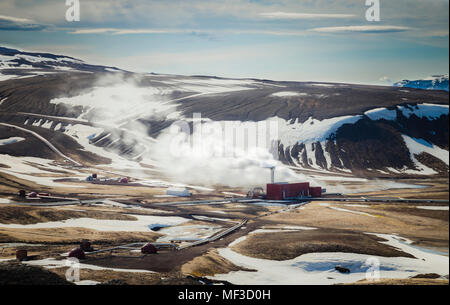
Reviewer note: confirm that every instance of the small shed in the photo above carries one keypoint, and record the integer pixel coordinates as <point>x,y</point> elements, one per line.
<point>315,191</point>
<point>86,246</point>
<point>77,253</point>
<point>283,191</point>
<point>21,255</point>
<point>32,195</point>
<point>178,192</point>
<point>123,180</point>
<point>149,249</point>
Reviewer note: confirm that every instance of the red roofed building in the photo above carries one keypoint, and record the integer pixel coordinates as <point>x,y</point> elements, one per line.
<point>315,191</point>
<point>283,191</point>
<point>149,249</point>
<point>77,253</point>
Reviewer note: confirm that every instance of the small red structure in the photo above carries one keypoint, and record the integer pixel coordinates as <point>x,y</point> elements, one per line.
<point>21,255</point>
<point>86,246</point>
<point>77,253</point>
<point>283,191</point>
<point>123,180</point>
<point>33,195</point>
<point>315,191</point>
<point>44,195</point>
<point>149,249</point>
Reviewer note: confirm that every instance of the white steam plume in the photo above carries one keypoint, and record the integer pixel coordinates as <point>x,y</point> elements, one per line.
<point>217,160</point>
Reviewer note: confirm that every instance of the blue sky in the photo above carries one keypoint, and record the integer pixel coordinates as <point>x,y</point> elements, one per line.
<point>306,40</point>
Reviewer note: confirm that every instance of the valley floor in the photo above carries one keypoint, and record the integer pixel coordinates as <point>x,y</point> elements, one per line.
<point>90,156</point>
<point>280,244</point>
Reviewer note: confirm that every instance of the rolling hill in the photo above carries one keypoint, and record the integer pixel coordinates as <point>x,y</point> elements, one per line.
<point>94,113</point>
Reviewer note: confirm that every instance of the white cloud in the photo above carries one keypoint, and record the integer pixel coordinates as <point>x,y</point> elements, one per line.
<point>362,29</point>
<point>341,29</point>
<point>14,19</point>
<point>10,23</point>
<point>436,33</point>
<point>116,31</point>
<point>94,31</point>
<point>284,15</point>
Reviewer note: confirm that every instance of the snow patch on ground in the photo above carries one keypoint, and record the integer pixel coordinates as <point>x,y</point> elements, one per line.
<point>357,205</point>
<point>429,111</point>
<point>289,94</point>
<point>433,208</point>
<point>4,77</point>
<point>140,225</point>
<point>212,86</point>
<point>51,263</point>
<point>381,113</point>
<point>282,229</point>
<point>417,146</point>
<point>11,140</point>
<point>219,212</point>
<point>199,217</point>
<point>323,85</point>
<point>188,232</point>
<point>350,211</point>
<point>312,130</point>
<point>28,168</point>
<point>319,268</point>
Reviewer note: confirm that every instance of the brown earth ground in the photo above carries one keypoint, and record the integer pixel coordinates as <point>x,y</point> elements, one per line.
<point>9,186</point>
<point>73,236</point>
<point>437,188</point>
<point>288,245</point>
<point>210,263</point>
<point>32,215</point>
<point>131,278</point>
<point>337,230</point>
<point>425,227</point>
<point>421,226</point>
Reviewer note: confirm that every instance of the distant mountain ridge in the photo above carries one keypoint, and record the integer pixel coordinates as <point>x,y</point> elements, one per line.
<point>15,63</point>
<point>327,127</point>
<point>435,82</point>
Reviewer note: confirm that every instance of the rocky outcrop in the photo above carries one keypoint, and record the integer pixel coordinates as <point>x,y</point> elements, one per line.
<point>371,145</point>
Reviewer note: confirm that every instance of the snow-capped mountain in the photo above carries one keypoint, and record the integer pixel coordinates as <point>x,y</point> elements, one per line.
<point>326,127</point>
<point>18,64</point>
<point>435,82</point>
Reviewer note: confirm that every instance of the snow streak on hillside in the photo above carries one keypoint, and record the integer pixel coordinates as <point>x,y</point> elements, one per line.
<point>135,118</point>
<point>123,104</point>
<point>15,64</point>
<point>435,82</point>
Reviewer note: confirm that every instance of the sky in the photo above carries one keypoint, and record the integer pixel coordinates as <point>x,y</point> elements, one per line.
<point>299,40</point>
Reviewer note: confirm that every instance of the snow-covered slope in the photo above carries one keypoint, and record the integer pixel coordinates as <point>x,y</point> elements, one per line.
<point>336,143</point>
<point>18,64</point>
<point>435,82</point>
<point>322,127</point>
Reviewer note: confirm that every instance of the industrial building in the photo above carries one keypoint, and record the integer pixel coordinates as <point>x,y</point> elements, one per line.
<point>283,191</point>
<point>178,192</point>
